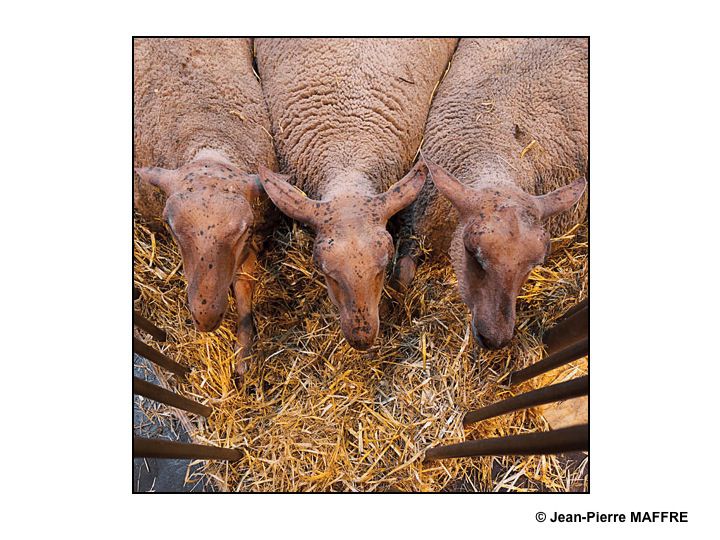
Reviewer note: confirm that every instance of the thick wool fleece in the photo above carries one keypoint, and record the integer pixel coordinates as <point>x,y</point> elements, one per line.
<point>194,94</point>
<point>348,114</point>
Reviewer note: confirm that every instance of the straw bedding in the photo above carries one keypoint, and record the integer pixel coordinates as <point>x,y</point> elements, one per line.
<point>312,414</point>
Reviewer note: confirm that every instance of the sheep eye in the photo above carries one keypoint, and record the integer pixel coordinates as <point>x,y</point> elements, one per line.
<point>475,256</point>
<point>323,267</point>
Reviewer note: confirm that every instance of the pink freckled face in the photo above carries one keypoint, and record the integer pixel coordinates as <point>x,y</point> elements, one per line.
<point>212,230</point>
<point>354,268</point>
<point>497,255</point>
<point>499,240</point>
<point>352,247</point>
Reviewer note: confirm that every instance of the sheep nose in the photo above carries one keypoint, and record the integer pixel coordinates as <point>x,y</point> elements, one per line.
<point>207,324</point>
<point>495,343</point>
<point>207,314</point>
<point>478,337</point>
<point>491,340</point>
<point>361,338</point>
<point>361,344</point>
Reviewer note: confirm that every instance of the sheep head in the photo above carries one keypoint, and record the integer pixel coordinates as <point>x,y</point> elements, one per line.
<point>209,212</point>
<point>500,238</point>
<point>352,246</point>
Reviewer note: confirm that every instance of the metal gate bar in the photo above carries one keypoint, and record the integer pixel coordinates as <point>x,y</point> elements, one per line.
<point>159,358</point>
<point>556,392</point>
<point>158,393</point>
<point>567,341</point>
<point>142,323</point>
<point>548,442</point>
<point>572,352</point>
<point>160,448</point>
<point>572,327</point>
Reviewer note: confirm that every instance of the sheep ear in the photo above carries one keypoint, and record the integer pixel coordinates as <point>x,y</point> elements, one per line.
<point>561,199</point>
<point>164,179</point>
<point>452,189</point>
<point>403,193</point>
<point>290,200</point>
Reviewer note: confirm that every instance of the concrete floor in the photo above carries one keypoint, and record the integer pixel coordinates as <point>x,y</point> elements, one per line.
<point>152,419</point>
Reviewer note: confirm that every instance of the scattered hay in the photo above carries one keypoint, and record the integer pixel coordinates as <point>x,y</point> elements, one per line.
<point>527,148</point>
<point>315,415</point>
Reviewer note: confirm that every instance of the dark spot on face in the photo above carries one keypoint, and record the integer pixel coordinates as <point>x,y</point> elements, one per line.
<point>246,321</point>
<point>507,308</point>
<point>204,302</point>
<point>210,266</point>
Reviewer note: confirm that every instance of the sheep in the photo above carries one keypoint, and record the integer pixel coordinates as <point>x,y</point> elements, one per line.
<point>507,130</point>
<point>201,128</point>
<point>347,118</point>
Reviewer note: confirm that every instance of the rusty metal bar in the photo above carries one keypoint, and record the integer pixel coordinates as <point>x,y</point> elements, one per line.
<point>159,358</point>
<point>159,448</point>
<point>142,323</point>
<point>568,439</point>
<point>158,393</point>
<point>570,329</point>
<point>556,392</point>
<point>573,352</point>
